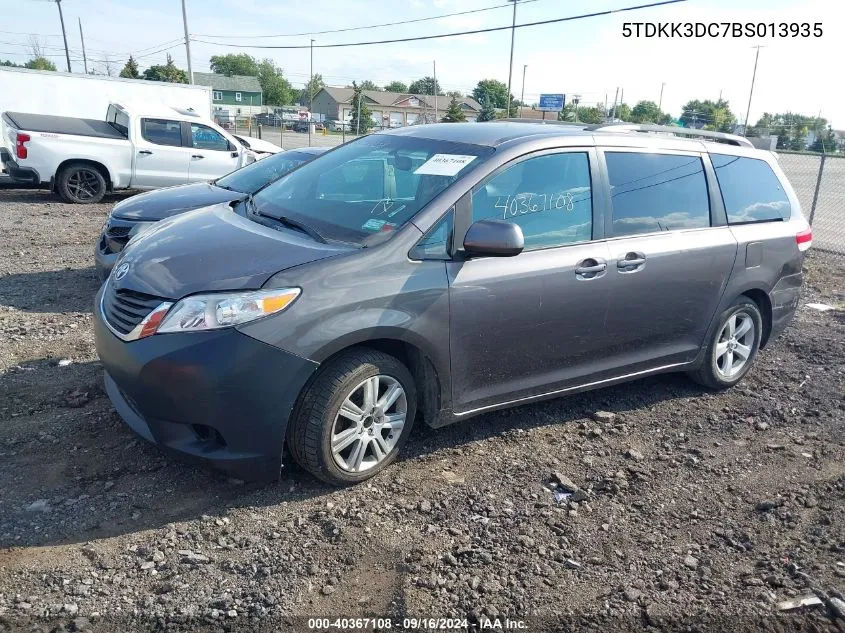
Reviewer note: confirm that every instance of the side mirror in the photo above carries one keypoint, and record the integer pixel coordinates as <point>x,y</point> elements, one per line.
<point>494,238</point>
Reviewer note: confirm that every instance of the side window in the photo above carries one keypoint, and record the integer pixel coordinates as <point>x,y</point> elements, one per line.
<point>204,137</point>
<point>162,131</point>
<point>435,243</point>
<point>355,180</point>
<point>657,192</point>
<point>750,190</point>
<point>549,197</point>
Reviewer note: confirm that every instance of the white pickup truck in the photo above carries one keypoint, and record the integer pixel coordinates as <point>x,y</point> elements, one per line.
<point>139,147</point>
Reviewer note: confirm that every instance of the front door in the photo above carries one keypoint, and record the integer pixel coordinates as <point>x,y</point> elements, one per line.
<point>525,325</point>
<point>212,156</point>
<point>160,159</point>
<point>669,264</point>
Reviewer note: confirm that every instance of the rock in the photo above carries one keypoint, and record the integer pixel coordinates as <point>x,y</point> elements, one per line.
<point>192,557</point>
<point>42,505</point>
<point>632,594</point>
<point>232,613</point>
<point>567,485</point>
<point>158,556</point>
<point>691,562</point>
<point>425,506</point>
<point>148,565</point>
<point>450,559</point>
<point>108,485</point>
<point>761,426</point>
<point>327,590</point>
<point>634,454</point>
<point>603,416</point>
<point>571,564</point>
<point>767,505</point>
<point>70,609</point>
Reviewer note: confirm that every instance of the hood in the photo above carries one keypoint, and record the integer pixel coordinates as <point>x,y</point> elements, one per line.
<point>164,203</point>
<point>211,250</point>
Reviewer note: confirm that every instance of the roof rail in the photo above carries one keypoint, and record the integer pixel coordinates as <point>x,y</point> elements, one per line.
<point>730,139</point>
<point>547,121</point>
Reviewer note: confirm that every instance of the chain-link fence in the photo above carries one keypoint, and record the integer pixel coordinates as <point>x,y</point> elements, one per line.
<point>819,182</point>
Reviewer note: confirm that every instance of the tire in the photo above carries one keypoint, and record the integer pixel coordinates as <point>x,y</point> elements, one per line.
<point>714,372</point>
<point>80,183</point>
<point>317,419</point>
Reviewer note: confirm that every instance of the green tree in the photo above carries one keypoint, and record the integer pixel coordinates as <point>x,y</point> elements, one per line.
<point>10,63</point>
<point>825,142</point>
<point>711,115</point>
<point>130,70</point>
<point>425,86</point>
<point>648,112</point>
<point>167,72</point>
<point>488,112</point>
<point>276,89</point>
<point>396,86</point>
<point>457,94</point>
<point>234,64</point>
<point>498,93</point>
<point>40,63</point>
<point>360,116</point>
<point>454,114</point>
<point>369,85</point>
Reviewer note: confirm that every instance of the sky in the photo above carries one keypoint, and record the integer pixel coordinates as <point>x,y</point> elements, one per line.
<point>588,57</point>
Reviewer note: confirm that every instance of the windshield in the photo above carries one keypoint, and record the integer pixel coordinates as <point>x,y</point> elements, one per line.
<point>363,191</point>
<point>251,178</point>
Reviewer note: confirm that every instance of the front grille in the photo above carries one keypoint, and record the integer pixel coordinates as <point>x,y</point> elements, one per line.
<point>125,309</point>
<point>117,237</point>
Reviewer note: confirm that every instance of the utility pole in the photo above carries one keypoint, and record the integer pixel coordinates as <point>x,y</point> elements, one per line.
<point>522,95</point>
<point>187,41</point>
<point>358,124</point>
<point>510,66</point>
<point>613,114</point>
<point>434,90</point>
<point>64,34</point>
<point>82,37</point>
<point>311,94</point>
<point>660,103</point>
<point>751,92</point>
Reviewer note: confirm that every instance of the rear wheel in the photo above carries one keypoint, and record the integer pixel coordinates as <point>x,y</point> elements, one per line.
<point>80,183</point>
<point>734,346</point>
<point>354,418</point>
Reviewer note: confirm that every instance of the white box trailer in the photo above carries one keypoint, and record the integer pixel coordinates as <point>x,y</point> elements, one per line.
<point>89,96</point>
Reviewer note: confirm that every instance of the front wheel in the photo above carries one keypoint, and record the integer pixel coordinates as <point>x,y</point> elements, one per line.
<point>734,346</point>
<point>354,418</point>
<point>81,184</point>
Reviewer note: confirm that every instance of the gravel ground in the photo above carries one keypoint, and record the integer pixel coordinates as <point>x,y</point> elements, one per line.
<point>674,508</point>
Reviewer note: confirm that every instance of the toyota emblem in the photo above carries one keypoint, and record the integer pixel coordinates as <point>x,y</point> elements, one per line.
<point>121,271</point>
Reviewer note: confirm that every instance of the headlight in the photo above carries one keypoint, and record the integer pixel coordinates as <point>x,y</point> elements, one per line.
<point>213,311</point>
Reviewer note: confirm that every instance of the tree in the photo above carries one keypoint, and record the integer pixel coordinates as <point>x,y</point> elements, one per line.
<point>361,119</point>
<point>369,85</point>
<point>454,114</point>
<point>234,64</point>
<point>648,112</point>
<point>276,89</point>
<point>40,63</point>
<point>130,70</point>
<point>498,92</point>
<point>425,86</point>
<point>707,114</point>
<point>825,142</point>
<point>488,112</point>
<point>396,86</point>
<point>10,63</point>
<point>167,72</point>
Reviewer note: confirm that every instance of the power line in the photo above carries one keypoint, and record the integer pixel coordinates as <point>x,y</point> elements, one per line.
<point>443,35</point>
<point>359,28</point>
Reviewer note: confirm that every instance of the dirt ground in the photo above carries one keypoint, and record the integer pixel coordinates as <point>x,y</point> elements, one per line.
<point>689,510</point>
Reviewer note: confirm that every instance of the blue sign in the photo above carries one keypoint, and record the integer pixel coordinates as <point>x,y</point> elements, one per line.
<point>552,103</point>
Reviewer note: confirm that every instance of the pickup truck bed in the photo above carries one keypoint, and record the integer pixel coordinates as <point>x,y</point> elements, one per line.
<point>62,125</point>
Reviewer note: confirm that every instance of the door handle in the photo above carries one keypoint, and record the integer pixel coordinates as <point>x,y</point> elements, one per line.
<point>197,156</point>
<point>631,262</point>
<point>146,152</point>
<point>590,268</point>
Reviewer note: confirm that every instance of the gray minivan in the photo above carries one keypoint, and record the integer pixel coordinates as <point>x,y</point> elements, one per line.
<point>442,271</point>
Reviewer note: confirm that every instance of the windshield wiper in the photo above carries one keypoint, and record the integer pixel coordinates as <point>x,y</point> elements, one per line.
<point>286,220</point>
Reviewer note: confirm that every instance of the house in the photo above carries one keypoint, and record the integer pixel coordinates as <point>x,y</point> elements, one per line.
<point>235,96</point>
<point>389,109</point>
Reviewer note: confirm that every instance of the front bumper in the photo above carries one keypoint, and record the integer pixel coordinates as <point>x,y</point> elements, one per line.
<point>219,397</point>
<point>113,239</point>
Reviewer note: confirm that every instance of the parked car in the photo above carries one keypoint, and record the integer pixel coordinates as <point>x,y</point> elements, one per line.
<point>300,126</point>
<point>443,271</point>
<point>139,213</point>
<point>146,147</point>
<point>340,126</point>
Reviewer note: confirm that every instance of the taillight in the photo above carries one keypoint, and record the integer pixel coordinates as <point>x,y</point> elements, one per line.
<point>20,147</point>
<point>804,239</point>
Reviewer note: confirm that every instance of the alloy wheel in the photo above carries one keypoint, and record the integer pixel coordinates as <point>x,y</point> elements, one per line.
<point>735,344</point>
<point>369,423</point>
<point>83,184</point>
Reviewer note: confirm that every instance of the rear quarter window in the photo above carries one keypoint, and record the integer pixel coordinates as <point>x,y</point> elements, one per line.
<point>750,190</point>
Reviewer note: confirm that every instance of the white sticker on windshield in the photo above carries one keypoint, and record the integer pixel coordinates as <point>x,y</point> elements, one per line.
<point>444,165</point>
